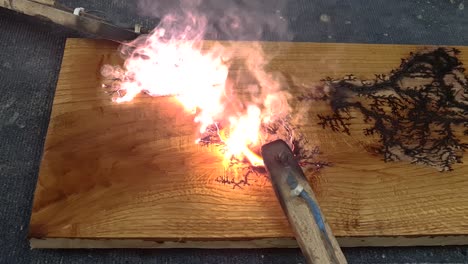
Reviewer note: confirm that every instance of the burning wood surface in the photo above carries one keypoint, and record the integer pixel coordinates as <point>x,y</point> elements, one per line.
<point>171,61</point>
<point>239,114</point>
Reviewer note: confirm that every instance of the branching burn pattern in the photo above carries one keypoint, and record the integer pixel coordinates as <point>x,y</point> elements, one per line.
<point>419,111</point>
<point>246,170</point>
<point>238,173</point>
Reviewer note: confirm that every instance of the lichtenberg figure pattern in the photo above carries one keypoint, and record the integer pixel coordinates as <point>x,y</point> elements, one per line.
<point>419,111</point>
<point>239,172</point>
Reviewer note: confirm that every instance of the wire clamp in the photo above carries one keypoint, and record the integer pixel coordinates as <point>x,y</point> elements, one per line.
<point>297,191</point>
<point>137,28</point>
<point>78,11</point>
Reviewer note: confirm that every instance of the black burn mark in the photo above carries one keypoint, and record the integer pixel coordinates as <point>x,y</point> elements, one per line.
<point>239,173</point>
<point>414,110</point>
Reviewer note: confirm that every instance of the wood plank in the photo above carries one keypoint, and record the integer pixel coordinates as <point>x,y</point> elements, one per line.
<point>130,175</point>
<point>45,2</point>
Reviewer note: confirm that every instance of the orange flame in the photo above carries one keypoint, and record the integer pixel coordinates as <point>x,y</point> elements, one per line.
<point>162,65</point>
<point>244,134</point>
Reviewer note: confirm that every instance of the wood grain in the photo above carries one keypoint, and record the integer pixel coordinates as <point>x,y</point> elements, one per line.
<point>131,172</point>
<point>318,244</point>
<point>45,2</point>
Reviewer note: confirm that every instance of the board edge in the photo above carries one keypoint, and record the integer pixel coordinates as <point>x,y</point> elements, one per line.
<point>383,241</point>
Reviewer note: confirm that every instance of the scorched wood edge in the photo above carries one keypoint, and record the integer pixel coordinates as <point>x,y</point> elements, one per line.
<point>130,175</point>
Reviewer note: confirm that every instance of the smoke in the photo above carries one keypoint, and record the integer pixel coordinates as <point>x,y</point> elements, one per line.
<point>183,26</point>
<point>227,19</point>
<point>220,82</point>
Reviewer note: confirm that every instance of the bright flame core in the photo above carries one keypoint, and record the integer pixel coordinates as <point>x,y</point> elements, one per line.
<point>162,64</point>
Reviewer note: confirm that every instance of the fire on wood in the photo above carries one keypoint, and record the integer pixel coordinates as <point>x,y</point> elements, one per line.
<point>172,61</point>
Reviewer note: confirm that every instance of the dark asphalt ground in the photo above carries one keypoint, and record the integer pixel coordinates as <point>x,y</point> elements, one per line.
<point>30,58</point>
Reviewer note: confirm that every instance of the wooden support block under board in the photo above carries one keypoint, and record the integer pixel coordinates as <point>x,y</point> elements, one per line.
<point>130,175</point>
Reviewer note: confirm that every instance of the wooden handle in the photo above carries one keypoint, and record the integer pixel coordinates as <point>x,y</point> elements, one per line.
<point>44,9</point>
<point>312,231</point>
<point>317,246</point>
<point>45,2</point>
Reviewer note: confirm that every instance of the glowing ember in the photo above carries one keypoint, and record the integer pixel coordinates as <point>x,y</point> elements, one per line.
<point>172,62</point>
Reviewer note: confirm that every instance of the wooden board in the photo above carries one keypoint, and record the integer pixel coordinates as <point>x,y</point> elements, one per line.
<point>130,175</point>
